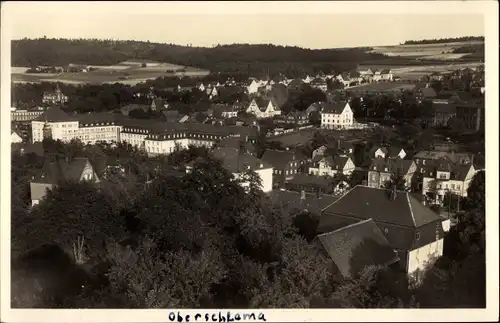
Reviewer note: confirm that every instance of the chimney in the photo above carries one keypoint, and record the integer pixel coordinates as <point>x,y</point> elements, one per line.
<point>302,195</point>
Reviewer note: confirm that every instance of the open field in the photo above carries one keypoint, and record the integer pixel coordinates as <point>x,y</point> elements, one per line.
<point>424,51</point>
<point>382,87</point>
<point>297,138</point>
<point>416,72</point>
<point>127,73</point>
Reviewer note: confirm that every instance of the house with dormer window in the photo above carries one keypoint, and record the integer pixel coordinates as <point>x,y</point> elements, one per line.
<point>414,231</point>
<point>58,168</point>
<point>443,177</point>
<point>331,165</point>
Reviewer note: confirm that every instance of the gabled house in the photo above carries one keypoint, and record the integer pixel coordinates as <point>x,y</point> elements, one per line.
<point>331,165</point>
<point>253,86</point>
<point>443,177</point>
<point>263,108</point>
<point>159,104</point>
<point>336,116</point>
<point>395,152</point>
<point>381,171</point>
<point>382,75</point>
<point>413,231</point>
<point>15,137</point>
<point>425,156</point>
<point>356,246</point>
<point>56,169</point>
<point>379,152</point>
<point>285,163</point>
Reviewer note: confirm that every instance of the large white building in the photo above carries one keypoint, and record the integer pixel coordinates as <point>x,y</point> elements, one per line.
<point>155,137</point>
<point>89,128</point>
<point>336,116</point>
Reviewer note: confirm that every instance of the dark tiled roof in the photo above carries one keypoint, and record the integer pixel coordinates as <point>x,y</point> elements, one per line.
<point>364,202</point>
<point>393,166</point>
<point>356,246</point>
<point>237,142</point>
<point>335,162</point>
<point>428,92</point>
<point>56,169</point>
<point>292,200</point>
<point>55,114</point>
<point>279,158</point>
<point>375,148</point>
<point>336,108</point>
<point>93,118</point>
<point>236,162</point>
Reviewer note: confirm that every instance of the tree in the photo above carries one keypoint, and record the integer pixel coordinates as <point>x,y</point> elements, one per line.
<point>306,224</point>
<point>76,217</point>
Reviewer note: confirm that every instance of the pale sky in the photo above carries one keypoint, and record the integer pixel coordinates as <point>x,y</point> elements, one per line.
<point>203,24</point>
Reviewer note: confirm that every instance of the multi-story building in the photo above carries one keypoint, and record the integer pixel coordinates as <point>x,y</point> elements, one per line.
<point>382,170</point>
<point>89,128</point>
<point>443,177</point>
<point>336,116</point>
<point>413,231</point>
<point>286,164</point>
<point>23,115</point>
<point>56,97</point>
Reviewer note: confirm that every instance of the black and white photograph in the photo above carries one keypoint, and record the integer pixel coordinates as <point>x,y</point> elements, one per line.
<point>223,161</point>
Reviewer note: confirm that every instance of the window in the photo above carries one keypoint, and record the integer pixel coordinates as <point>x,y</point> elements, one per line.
<point>452,186</point>
<point>418,235</point>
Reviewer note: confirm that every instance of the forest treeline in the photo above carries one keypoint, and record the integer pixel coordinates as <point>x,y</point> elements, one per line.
<point>444,40</point>
<point>225,58</point>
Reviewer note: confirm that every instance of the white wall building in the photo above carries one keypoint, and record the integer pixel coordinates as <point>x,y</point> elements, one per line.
<point>337,116</point>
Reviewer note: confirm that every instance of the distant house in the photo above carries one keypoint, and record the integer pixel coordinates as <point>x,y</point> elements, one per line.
<point>381,171</point>
<point>159,104</point>
<point>57,169</point>
<point>237,163</point>
<point>413,231</point>
<point>382,75</point>
<point>15,137</point>
<point>319,84</point>
<point>426,156</point>
<point>253,86</point>
<point>442,177</point>
<point>356,246</point>
<point>308,79</point>
<point>337,116</point>
<point>297,117</point>
<point>56,97</point>
<point>285,163</point>
<point>379,152</point>
<point>263,108</point>
<point>331,165</point>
